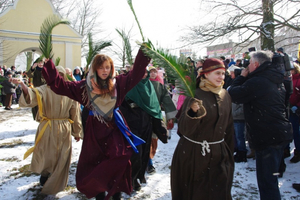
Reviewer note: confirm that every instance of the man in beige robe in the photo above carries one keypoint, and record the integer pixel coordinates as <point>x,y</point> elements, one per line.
<point>60,117</point>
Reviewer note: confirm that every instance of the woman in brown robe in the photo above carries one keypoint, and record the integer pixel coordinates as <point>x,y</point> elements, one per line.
<point>202,165</point>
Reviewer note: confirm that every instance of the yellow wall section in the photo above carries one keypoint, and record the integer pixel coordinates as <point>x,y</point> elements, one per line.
<point>19,31</point>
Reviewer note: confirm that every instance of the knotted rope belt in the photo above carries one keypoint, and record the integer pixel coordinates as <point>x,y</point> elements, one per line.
<point>204,144</point>
<point>41,133</point>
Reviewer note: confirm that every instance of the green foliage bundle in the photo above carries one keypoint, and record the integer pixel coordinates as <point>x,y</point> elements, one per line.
<point>3,78</point>
<point>136,19</point>
<point>177,69</point>
<point>45,39</point>
<point>57,61</point>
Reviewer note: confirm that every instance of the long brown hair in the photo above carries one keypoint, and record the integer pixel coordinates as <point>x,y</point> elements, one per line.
<point>105,86</point>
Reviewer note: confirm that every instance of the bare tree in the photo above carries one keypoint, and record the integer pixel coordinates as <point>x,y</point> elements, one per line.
<point>125,53</point>
<point>246,20</point>
<point>64,7</point>
<point>5,3</point>
<point>83,15</point>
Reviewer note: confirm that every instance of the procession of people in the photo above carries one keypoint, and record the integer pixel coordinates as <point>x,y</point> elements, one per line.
<point>125,113</point>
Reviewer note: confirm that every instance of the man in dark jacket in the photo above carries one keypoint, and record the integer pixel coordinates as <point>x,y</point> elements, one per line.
<point>260,88</point>
<point>9,90</point>
<point>35,73</point>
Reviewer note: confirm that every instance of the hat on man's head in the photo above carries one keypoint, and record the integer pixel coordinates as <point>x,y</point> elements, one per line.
<point>280,49</point>
<point>8,72</point>
<point>212,64</point>
<point>232,68</point>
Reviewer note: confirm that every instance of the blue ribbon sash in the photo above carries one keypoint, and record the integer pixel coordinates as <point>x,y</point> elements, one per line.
<point>125,131</point>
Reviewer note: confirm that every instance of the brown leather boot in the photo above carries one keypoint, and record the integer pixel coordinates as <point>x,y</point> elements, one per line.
<point>251,154</point>
<point>296,157</point>
<point>240,156</point>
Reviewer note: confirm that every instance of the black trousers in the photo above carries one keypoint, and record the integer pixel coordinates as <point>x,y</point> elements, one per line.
<point>140,124</point>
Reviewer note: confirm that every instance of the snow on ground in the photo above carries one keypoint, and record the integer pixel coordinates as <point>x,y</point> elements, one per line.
<point>17,133</point>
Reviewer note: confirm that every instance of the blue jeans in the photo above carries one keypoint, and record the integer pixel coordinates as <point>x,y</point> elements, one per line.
<point>267,167</point>
<point>239,129</point>
<point>294,119</point>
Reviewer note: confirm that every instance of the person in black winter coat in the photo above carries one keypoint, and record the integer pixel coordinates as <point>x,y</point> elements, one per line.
<point>260,88</point>
<point>35,73</point>
<point>9,90</point>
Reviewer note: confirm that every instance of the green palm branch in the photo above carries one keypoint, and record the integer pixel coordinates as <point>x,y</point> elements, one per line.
<point>136,19</point>
<point>177,69</point>
<point>94,49</point>
<point>69,77</point>
<point>128,49</point>
<point>46,34</point>
<point>57,61</point>
<point>3,78</point>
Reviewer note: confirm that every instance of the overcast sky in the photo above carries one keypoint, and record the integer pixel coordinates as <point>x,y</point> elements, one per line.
<point>161,21</point>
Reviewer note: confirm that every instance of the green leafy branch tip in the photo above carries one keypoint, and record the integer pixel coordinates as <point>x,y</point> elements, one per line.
<point>176,69</point>
<point>45,39</point>
<point>136,19</point>
<point>57,61</point>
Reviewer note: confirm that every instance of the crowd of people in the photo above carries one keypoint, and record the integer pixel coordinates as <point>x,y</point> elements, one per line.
<point>239,105</point>
<point>9,93</point>
<point>32,78</point>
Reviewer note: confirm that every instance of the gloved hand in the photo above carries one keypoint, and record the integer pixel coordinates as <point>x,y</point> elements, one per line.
<point>293,109</point>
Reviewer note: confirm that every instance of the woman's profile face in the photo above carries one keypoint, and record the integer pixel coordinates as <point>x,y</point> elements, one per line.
<point>41,64</point>
<point>104,70</point>
<point>216,77</point>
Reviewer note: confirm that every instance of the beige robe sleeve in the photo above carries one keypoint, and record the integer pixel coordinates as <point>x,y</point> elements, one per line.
<point>76,117</point>
<point>29,100</point>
